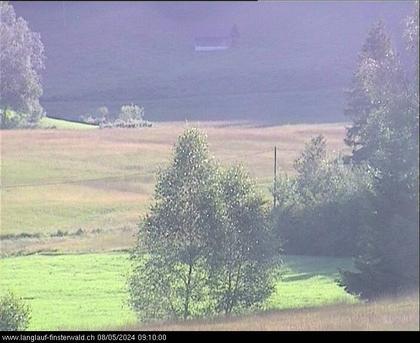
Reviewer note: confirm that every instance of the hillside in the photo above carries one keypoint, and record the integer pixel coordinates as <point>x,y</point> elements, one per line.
<point>289,65</point>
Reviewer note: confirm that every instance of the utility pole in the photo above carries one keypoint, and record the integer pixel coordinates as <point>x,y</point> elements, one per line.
<point>275,176</point>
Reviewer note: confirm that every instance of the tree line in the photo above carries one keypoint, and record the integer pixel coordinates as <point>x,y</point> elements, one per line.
<point>364,205</point>
<point>129,116</point>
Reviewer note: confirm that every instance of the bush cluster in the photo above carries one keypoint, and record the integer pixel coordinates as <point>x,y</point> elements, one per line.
<point>14,313</point>
<point>129,116</point>
<point>322,209</point>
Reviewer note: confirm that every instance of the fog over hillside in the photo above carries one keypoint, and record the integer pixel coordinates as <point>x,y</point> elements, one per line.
<point>291,63</point>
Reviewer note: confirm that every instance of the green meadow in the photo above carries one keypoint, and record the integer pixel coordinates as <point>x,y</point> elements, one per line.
<point>52,123</point>
<point>88,290</point>
<point>57,181</point>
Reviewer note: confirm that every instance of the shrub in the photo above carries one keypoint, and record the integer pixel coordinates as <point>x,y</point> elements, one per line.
<point>130,116</point>
<point>90,119</point>
<point>126,124</point>
<point>322,210</point>
<point>10,119</point>
<point>131,112</point>
<point>14,313</point>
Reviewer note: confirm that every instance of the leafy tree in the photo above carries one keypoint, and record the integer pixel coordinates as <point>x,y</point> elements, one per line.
<point>174,235</point>
<point>376,79</point>
<point>308,164</point>
<point>242,247</point>
<point>205,246</point>
<point>131,112</point>
<point>21,61</point>
<point>103,114</point>
<point>387,261</point>
<point>163,288</point>
<point>14,314</point>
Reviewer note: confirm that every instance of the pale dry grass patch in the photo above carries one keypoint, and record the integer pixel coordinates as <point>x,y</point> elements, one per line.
<point>70,179</point>
<point>117,239</point>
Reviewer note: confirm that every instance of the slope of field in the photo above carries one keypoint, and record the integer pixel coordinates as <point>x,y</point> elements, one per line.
<point>88,290</point>
<point>394,314</point>
<point>292,61</point>
<point>103,180</point>
<point>52,123</point>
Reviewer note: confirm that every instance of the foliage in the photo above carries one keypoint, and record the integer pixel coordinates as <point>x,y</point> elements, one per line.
<point>163,288</point>
<point>14,314</point>
<point>321,209</point>
<point>308,166</point>
<point>9,119</point>
<point>377,77</point>
<point>100,116</point>
<point>130,116</point>
<point>132,123</point>
<point>206,224</point>
<point>174,231</point>
<point>131,112</point>
<point>103,113</point>
<point>242,248</point>
<point>411,33</point>
<point>21,60</point>
<point>387,260</point>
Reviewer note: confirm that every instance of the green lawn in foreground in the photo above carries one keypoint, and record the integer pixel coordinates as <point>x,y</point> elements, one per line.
<point>70,291</point>
<point>88,290</point>
<point>47,123</point>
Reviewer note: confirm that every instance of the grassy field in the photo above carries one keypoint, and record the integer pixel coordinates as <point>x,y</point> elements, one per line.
<point>52,123</point>
<point>102,181</point>
<point>88,290</point>
<point>69,290</point>
<point>75,197</point>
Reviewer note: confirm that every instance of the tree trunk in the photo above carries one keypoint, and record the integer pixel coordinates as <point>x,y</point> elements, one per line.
<point>229,294</point>
<point>233,298</point>
<point>188,292</point>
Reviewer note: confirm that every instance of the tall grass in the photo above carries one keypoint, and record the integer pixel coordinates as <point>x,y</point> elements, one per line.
<point>397,314</point>
<point>70,179</point>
